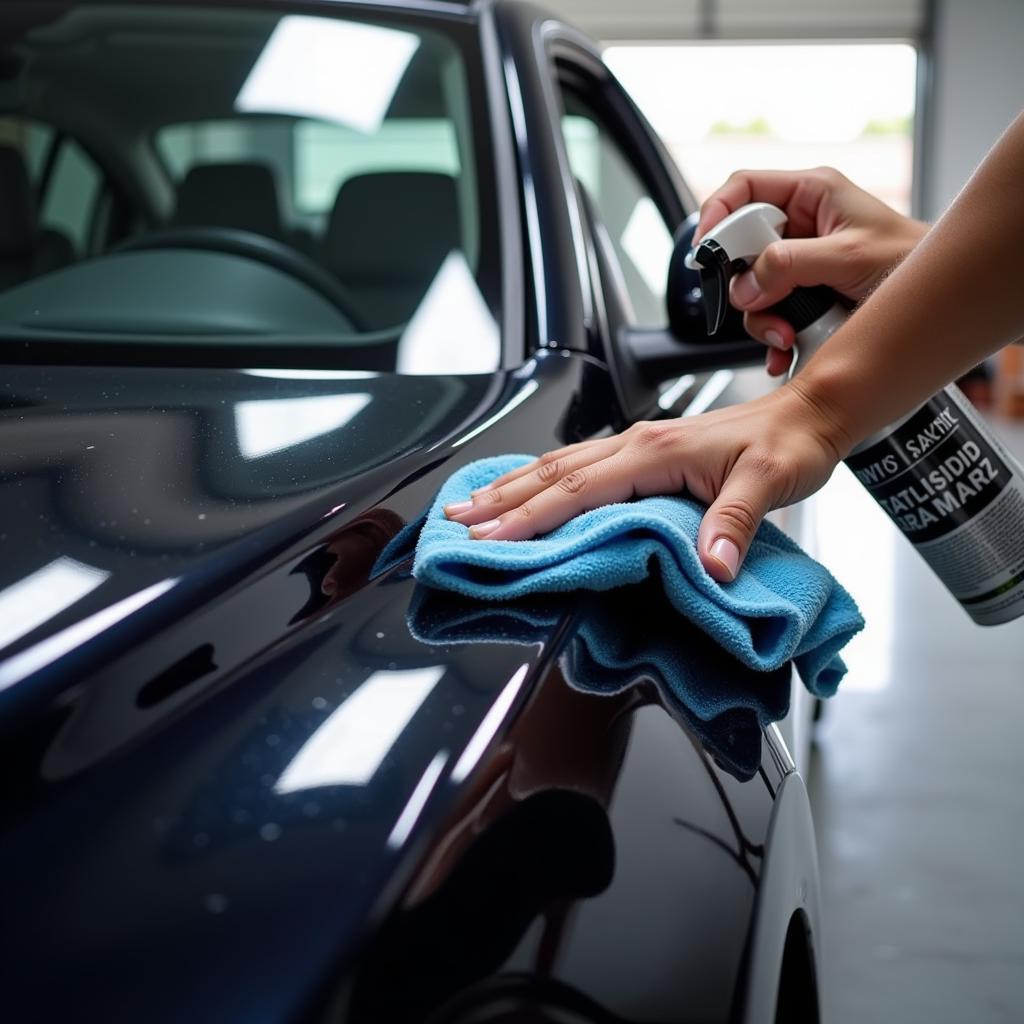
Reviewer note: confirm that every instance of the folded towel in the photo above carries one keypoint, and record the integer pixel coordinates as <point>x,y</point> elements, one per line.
<point>783,605</point>
<point>631,637</point>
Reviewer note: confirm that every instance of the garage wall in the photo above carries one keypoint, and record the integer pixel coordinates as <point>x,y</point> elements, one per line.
<point>978,88</point>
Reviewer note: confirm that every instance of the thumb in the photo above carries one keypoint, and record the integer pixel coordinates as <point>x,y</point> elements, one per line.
<point>730,523</point>
<point>791,263</point>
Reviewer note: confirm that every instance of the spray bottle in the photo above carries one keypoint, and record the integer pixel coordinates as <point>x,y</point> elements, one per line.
<point>939,473</point>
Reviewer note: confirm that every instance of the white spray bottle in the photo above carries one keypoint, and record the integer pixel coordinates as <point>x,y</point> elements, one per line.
<point>939,473</point>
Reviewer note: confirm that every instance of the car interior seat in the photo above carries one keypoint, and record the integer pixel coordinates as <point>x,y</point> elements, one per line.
<point>26,249</point>
<point>242,196</point>
<point>386,238</point>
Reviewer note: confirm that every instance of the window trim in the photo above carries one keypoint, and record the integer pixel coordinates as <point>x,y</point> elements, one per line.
<point>580,69</point>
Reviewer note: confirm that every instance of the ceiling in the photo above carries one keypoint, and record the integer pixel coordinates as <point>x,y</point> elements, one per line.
<point>750,20</point>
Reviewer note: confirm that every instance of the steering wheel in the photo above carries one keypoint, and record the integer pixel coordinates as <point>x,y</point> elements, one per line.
<point>250,245</point>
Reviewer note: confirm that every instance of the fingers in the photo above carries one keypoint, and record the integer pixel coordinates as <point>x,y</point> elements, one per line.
<point>770,329</point>
<point>775,187</point>
<point>599,483</point>
<point>729,525</point>
<point>521,485</point>
<point>552,456</point>
<point>794,262</point>
<point>777,363</point>
<point>641,461</point>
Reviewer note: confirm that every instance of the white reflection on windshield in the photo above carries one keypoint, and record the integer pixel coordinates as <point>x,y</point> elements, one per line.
<point>349,747</point>
<point>452,330</point>
<point>334,70</point>
<point>46,592</point>
<point>271,425</point>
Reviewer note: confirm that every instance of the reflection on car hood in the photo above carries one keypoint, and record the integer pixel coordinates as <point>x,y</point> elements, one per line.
<point>270,823</point>
<point>114,481</point>
<point>253,780</point>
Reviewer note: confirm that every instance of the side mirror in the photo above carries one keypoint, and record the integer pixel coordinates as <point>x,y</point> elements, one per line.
<point>685,346</point>
<point>641,358</point>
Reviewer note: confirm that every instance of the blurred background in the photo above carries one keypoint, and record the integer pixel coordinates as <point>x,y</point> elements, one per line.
<point>767,109</point>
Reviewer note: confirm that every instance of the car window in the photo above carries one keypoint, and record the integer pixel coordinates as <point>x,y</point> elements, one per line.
<point>310,181</point>
<point>640,237</point>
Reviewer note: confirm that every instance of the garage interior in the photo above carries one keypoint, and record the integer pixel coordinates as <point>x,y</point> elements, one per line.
<point>914,777</point>
<point>912,769</point>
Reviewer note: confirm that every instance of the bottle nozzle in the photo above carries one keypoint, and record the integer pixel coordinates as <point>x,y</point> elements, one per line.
<point>729,247</point>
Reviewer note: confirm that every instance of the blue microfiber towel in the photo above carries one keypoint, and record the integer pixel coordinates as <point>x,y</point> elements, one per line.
<point>628,638</point>
<point>783,605</point>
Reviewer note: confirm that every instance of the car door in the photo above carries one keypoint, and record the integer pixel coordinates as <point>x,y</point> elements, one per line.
<point>632,211</point>
<point>637,209</point>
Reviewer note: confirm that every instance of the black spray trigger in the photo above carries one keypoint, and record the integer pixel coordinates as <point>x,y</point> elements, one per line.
<point>716,271</point>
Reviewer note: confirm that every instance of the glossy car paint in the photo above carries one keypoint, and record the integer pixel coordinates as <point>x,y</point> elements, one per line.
<point>142,816</point>
<point>519,844</point>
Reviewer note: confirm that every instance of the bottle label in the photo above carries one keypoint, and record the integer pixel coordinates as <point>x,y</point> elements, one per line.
<point>958,495</point>
<point>934,472</point>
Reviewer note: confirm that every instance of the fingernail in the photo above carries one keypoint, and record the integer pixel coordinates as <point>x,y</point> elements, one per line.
<point>745,289</point>
<point>774,339</point>
<point>457,508</point>
<point>482,530</point>
<point>727,554</point>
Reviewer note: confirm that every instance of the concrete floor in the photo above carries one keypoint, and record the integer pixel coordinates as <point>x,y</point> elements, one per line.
<point>916,782</point>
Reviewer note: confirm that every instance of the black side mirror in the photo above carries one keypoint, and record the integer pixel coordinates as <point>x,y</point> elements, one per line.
<point>686,347</point>
<point>641,358</point>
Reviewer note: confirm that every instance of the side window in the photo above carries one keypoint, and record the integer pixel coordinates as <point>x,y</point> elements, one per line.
<point>69,204</point>
<point>641,239</point>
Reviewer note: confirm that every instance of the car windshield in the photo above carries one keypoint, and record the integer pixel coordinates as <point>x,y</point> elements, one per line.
<point>179,177</point>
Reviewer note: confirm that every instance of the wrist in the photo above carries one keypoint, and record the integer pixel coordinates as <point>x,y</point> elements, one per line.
<point>812,401</point>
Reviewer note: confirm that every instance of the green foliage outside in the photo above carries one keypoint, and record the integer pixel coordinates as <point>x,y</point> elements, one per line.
<point>762,126</point>
<point>889,126</point>
<point>757,126</point>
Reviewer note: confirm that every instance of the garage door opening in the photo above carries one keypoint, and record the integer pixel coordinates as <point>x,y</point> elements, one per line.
<point>724,107</point>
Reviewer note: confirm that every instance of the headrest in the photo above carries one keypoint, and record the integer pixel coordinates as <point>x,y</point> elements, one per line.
<point>393,226</point>
<point>242,196</point>
<point>17,205</point>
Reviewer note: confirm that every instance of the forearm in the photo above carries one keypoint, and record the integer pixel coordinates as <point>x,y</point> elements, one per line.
<point>958,297</point>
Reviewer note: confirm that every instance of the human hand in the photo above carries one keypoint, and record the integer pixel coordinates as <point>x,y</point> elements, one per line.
<point>742,461</point>
<point>837,234</point>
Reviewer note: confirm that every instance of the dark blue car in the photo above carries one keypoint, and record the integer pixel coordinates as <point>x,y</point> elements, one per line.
<point>269,273</point>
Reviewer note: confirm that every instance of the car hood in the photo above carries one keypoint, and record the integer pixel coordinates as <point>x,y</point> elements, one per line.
<point>115,482</point>
<point>254,765</point>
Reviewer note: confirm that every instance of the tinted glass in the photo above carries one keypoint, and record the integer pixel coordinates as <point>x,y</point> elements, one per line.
<point>240,177</point>
<point>639,235</point>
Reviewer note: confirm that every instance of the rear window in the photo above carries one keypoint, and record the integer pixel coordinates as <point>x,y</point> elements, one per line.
<point>314,158</point>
